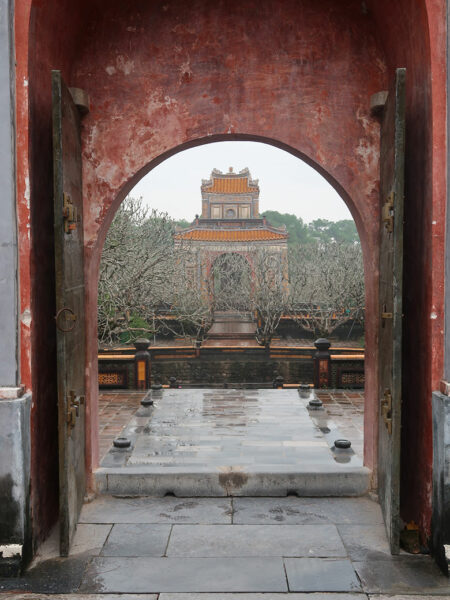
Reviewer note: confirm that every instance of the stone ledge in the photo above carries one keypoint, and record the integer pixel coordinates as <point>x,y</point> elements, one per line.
<point>11,393</point>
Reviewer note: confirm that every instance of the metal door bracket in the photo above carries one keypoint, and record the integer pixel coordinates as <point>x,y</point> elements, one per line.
<point>386,410</point>
<point>73,409</point>
<point>70,214</point>
<point>388,213</point>
<point>69,315</point>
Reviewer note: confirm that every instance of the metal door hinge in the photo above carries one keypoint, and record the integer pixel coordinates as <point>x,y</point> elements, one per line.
<point>73,409</point>
<point>70,214</point>
<point>386,410</point>
<point>388,213</point>
<point>385,314</point>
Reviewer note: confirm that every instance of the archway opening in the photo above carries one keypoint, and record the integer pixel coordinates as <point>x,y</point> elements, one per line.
<point>230,282</point>
<point>226,261</point>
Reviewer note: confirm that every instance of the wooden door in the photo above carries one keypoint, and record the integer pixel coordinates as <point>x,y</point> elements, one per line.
<point>392,159</point>
<point>70,321</point>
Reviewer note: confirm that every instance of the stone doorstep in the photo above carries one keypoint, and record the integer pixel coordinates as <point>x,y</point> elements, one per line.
<point>160,481</point>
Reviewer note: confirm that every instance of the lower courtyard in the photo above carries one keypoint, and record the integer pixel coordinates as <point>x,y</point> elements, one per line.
<point>230,494</point>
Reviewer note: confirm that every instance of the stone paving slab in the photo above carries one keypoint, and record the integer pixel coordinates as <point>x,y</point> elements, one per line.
<point>321,575</point>
<point>110,574</point>
<point>81,597</point>
<point>402,575</point>
<point>109,509</point>
<point>273,596</point>
<point>406,597</point>
<point>292,510</point>
<point>140,539</point>
<point>90,538</point>
<point>53,576</point>
<point>365,542</point>
<point>255,540</point>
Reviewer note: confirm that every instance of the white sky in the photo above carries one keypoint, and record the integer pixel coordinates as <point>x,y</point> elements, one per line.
<point>286,183</point>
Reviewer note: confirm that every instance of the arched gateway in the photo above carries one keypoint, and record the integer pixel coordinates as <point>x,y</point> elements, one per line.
<point>162,77</point>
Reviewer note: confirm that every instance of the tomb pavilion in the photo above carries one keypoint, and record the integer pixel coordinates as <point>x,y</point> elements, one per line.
<point>229,223</point>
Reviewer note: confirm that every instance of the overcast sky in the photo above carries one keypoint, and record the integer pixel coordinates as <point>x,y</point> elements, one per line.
<point>286,183</point>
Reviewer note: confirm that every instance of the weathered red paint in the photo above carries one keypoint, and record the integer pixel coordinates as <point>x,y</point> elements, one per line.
<point>163,76</point>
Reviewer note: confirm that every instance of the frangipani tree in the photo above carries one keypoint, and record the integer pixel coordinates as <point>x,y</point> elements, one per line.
<point>326,285</point>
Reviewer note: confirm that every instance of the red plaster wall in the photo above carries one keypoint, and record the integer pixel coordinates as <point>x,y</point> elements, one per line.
<point>299,74</point>
<point>407,43</point>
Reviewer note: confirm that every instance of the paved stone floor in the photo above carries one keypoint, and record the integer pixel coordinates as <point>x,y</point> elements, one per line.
<point>115,409</point>
<point>241,442</point>
<point>345,407</point>
<point>229,549</point>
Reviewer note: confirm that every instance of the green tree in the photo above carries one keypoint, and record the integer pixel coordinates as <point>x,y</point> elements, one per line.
<point>343,231</point>
<point>296,228</point>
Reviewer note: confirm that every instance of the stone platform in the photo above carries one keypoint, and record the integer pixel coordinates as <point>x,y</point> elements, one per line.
<point>232,443</point>
<point>231,329</point>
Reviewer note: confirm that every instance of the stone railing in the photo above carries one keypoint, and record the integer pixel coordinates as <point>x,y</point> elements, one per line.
<point>187,366</point>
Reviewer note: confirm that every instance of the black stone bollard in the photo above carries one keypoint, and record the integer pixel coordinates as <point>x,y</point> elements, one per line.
<point>173,382</point>
<point>278,382</point>
<point>147,400</point>
<point>342,444</point>
<point>304,390</point>
<point>315,404</point>
<point>121,442</point>
<point>142,364</point>
<point>322,363</point>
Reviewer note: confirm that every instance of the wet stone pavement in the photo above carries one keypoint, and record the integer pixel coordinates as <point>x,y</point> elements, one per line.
<point>214,442</point>
<point>344,407</point>
<point>229,549</point>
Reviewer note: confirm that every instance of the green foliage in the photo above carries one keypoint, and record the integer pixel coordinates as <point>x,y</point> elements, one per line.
<point>183,223</point>
<point>319,230</point>
<point>297,230</point>
<point>334,231</point>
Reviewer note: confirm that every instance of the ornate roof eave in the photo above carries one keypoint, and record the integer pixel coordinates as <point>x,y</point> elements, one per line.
<point>217,175</point>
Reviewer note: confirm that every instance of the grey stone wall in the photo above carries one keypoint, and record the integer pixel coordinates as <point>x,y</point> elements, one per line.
<point>8,222</point>
<point>441,479</point>
<point>14,408</point>
<point>14,482</point>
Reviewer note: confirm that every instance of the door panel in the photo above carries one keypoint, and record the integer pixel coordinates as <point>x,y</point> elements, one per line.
<point>392,159</point>
<point>70,327</point>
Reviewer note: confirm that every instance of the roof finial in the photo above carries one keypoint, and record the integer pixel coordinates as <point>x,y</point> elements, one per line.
<point>230,169</point>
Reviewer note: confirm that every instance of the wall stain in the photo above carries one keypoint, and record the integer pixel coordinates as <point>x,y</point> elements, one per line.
<point>9,513</point>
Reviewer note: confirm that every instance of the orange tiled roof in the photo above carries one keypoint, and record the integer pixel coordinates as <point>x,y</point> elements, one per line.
<point>223,235</point>
<point>230,185</point>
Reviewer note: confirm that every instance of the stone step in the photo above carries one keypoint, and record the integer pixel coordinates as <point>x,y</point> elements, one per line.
<point>185,482</point>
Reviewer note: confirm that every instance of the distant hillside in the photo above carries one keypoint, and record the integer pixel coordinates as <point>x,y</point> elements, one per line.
<point>318,230</point>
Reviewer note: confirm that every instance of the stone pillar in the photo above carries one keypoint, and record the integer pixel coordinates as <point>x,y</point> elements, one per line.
<point>142,364</point>
<point>322,370</point>
<point>440,522</point>
<point>8,223</point>
<point>14,404</point>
